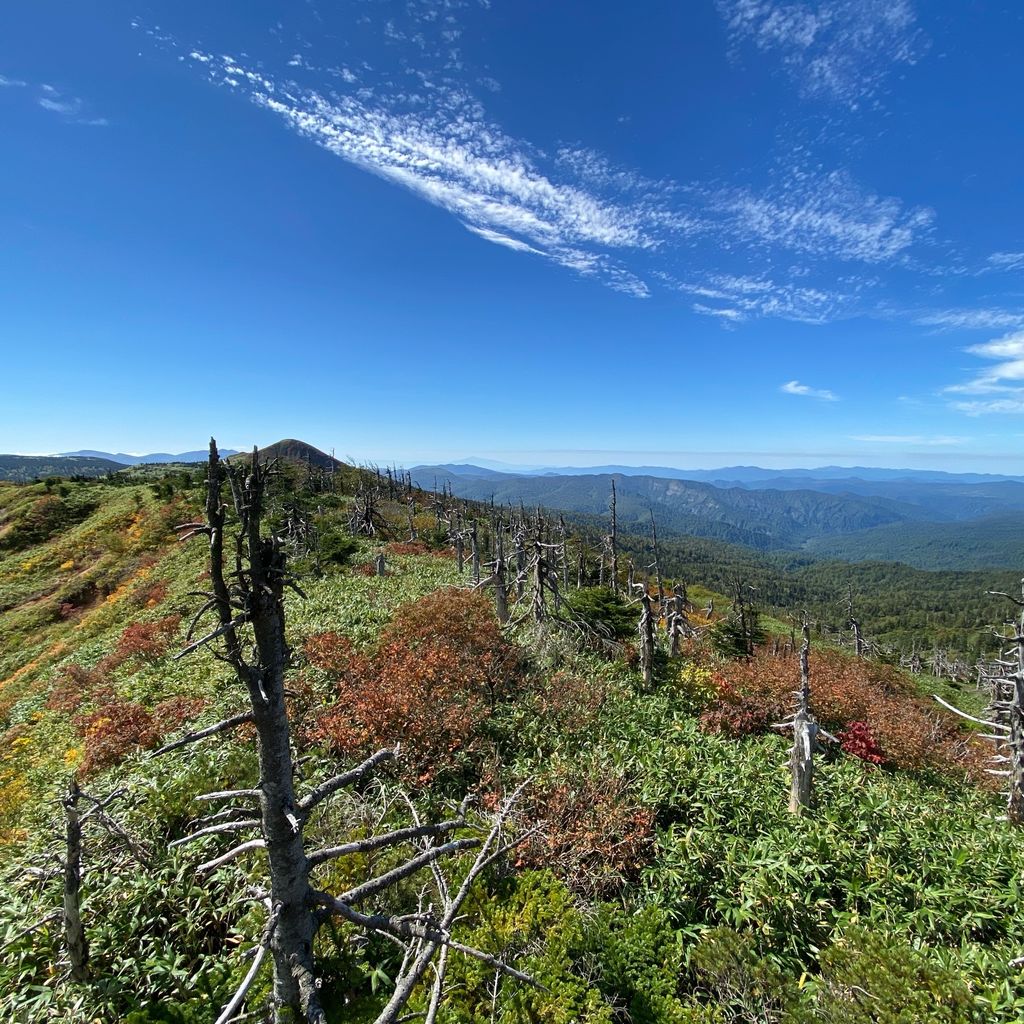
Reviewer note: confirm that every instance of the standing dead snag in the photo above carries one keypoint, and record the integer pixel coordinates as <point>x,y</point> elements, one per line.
<point>646,631</point>
<point>805,735</point>
<point>1007,707</point>
<point>74,931</point>
<point>254,600</point>
<point>612,543</point>
<point>858,637</point>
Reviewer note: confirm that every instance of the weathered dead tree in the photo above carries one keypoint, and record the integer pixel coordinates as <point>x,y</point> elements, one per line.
<point>646,628</point>
<point>520,544</point>
<point>806,731</point>
<point>68,865</point>
<point>498,581</point>
<point>854,624</point>
<point>365,517</point>
<point>270,816</point>
<point>612,542</point>
<point>1007,711</point>
<point>474,549</point>
<point>74,930</point>
<point>656,564</point>
<point>677,622</point>
<point>410,507</point>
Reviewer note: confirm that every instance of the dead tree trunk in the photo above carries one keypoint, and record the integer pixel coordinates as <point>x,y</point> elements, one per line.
<point>858,637</point>
<point>255,600</point>
<point>805,735</point>
<point>1015,800</point>
<point>657,564</point>
<point>614,543</point>
<point>646,631</point>
<point>474,547</point>
<point>74,930</point>
<point>1007,723</point>
<point>498,580</point>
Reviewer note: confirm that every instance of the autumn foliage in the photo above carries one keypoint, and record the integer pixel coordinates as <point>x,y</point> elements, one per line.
<point>439,668</point>
<point>113,731</point>
<point>872,709</point>
<point>592,828</point>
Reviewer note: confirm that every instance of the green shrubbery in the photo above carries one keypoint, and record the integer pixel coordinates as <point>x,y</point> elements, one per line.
<point>668,884</point>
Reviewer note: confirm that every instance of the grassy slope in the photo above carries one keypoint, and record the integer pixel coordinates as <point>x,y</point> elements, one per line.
<point>921,857</point>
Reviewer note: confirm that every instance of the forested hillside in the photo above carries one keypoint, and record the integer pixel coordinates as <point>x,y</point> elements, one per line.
<point>24,468</point>
<point>519,794</point>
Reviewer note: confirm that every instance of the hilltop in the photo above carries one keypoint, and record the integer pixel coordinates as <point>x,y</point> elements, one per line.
<point>290,450</point>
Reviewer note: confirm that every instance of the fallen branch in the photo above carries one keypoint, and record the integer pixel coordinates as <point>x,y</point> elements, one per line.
<point>970,718</point>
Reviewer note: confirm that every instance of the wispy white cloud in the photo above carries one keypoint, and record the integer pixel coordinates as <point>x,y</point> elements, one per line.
<point>725,313</point>
<point>824,216</point>
<point>11,83</point>
<point>71,108</point>
<point>841,50</point>
<point>747,297</point>
<point>928,441</point>
<point>419,127</point>
<point>981,318</point>
<point>442,149</point>
<point>1002,382</point>
<point>794,387</point>
<point>1005,261</point>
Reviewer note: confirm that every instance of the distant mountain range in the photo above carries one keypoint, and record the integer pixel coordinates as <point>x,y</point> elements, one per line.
<point>731,475</point>
<point>927,519</point>
<point>138,460</point>
<point>24,468</point>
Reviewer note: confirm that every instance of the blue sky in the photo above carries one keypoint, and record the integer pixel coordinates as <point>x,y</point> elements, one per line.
<point>696,234</point>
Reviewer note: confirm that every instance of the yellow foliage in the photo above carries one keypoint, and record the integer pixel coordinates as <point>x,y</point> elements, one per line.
<point>69,564</point>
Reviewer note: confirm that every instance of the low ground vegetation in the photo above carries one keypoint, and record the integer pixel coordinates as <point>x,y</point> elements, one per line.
<point>665,881</point>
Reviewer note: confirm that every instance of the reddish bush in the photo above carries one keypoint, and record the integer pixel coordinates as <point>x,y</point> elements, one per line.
<point>174,712</point>
<point>145,641</point>
<point>150,596</point>
<point>592,831</point>
<point>76,686</point>
<point>440,666</point>
<point>570,703</point>
<point>858,739</point>
<point>112,732</point>
<point>905,731</point>
<point>408,547</point>
<point>333,653</point>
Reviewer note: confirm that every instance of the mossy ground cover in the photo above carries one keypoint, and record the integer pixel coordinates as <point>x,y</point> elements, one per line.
<point>670,884</point>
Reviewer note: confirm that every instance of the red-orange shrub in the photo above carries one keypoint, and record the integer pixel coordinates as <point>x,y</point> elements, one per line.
<point>174,712</point>
<point>570,703</point>
<point>905,731</point>
<point>408,547</point>
<point>146,641</point>
<point>858,739</point>
<point>438,669</point>
<point>593,832</point>
<point>150,596</point>
<point>77,685</point>
<point>112,732</point>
